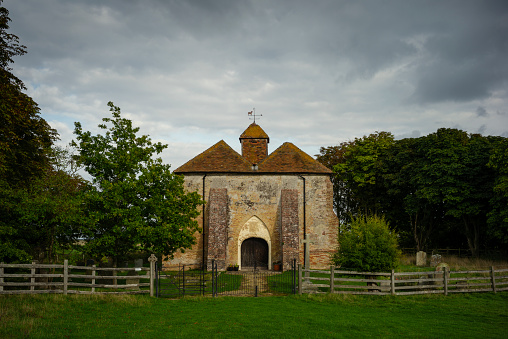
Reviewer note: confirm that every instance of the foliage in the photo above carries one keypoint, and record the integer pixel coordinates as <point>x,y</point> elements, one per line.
<point>344,203</point>
<point>368,245</point>
<point>498,216</point>
<point>430,188</point>
<point>443,183</point>
<point>25,137</point>
<point>25,148</point>
<point>361,171</point>
<point>9,48</point>
<point>43,216</point>
<point>134,202</point>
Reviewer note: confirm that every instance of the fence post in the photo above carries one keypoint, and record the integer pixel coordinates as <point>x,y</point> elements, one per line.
<point>332,277</point>
<point>93,279</point>
<point>213,279</point>
<point>1,277</point>
<point>32,279</point>
<point>202,281</point>
<point>183,280</point>
<point>300,282</point>
<point>493,278</point>
<point>157,281</point>
<point>294,276</point>
<point>152,259</point>
<point>392,283</point>
<point>65,276</point>
<point>445,280</point>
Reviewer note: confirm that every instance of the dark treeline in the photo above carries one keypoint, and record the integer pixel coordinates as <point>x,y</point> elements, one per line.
<point>448,189</point>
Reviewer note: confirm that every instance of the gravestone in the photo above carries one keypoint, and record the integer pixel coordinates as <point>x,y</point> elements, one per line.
<point>421,258</point>
<point>435,260</point>
<point>439,271</point>
<point>137,263</point>
<point>440,267</point>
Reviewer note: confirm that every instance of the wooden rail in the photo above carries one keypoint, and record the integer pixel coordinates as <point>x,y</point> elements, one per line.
<point>401,283</point>
<point>70,279</point>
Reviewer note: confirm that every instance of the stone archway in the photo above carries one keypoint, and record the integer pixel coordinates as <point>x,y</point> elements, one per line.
<point>255,228</point>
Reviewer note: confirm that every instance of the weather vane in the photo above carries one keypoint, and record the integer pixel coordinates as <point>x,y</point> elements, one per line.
<point>253,114</point>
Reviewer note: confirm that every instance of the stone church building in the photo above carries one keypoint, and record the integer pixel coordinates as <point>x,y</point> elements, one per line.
<point>260,208</point>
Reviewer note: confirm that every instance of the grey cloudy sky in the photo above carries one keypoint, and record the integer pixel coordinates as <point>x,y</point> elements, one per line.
<point>320,72</point>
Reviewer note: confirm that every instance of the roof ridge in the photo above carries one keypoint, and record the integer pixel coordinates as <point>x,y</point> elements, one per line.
<point>218,158</point>
<point>289,158</point>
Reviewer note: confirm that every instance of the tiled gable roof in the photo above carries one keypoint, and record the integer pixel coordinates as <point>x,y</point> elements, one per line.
<point>290,159</point>
<point>220,158</point>
<point>254,131</point>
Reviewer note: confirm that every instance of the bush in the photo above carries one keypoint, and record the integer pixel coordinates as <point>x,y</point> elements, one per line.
<point>368,245</point>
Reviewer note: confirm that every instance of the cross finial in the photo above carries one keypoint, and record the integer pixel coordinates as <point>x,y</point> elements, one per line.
<point>253,114</point>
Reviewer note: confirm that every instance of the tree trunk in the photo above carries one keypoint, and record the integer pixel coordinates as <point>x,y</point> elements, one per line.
<point>472,235</point>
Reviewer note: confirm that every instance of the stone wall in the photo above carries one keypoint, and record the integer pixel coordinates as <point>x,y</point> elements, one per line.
<point>289,223</point>
<point>217,227</point>
<point>262,196</point>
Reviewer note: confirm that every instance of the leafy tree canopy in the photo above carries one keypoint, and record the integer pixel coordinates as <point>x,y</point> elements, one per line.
<point>361,169</point>
<point>25,137</point>
<point>135,202</point>
<point>25,147</point>
<point>498,216</point>
<point>444,189</point>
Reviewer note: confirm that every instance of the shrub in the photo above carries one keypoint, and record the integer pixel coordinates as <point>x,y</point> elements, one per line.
<point>367,244</point>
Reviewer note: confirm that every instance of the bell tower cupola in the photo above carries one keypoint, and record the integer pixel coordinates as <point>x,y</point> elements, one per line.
<point>254,144</point>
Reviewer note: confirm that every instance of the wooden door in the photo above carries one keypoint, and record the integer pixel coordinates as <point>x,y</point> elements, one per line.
<point>255,253</point>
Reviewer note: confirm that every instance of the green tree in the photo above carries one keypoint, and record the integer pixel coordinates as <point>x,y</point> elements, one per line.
<point>9,48</point>
<point>44,215</point>
<point>134,202</point>
<point>444,186</point>
<point>368,245</point>
<point>498,214</point>
<point>344,203</point>
<point>25,137</point>
<point>361,171</point>
<point>453,173</point>
<point>412,215</point>
<point>25,144</point>
<point>51,213</point>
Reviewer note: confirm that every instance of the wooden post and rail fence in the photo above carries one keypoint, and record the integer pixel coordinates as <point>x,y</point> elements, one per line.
<point>401,283</point>
<point>71,279</point>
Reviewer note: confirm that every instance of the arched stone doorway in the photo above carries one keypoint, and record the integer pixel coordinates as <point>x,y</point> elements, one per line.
<point>255,228</point>
<point>254,253</point>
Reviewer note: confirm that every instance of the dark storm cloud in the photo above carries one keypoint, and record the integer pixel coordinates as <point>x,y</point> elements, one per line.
<point>319,71</point>
<point>463,43</point>
<point>466,54</point>
<point>481,112</point>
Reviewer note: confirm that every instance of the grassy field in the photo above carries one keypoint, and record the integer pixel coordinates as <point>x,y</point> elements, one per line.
<point>308,316</point>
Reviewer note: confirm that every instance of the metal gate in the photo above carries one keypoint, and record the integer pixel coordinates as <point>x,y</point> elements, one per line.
<point>175,284</point>
<point>254,282</point>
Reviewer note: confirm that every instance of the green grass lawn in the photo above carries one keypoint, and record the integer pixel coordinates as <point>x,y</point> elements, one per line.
<point>472,315</point>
